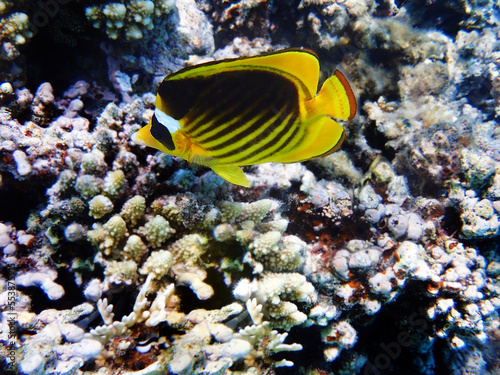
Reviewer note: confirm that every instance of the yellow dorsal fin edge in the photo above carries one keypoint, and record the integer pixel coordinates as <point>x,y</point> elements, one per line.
<point>299,64</point>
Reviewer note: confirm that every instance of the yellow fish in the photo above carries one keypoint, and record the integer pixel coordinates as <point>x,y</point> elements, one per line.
<point>229,113</point>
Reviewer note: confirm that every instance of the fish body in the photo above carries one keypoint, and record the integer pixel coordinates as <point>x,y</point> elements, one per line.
<point>230,113</point>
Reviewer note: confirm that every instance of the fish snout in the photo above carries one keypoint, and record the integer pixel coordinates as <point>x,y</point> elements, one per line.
<point>140,136</point>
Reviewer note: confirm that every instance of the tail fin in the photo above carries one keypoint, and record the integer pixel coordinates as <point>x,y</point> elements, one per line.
<point>335,99</point>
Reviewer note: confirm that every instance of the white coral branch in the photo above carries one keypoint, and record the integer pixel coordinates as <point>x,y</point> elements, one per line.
<point>255,311</point>
<point>105,310</point>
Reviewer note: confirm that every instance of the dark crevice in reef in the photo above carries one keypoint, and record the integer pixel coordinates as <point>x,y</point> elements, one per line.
<point>452,223</point>
<point>377,140</point>
<point>439,14</point>
<point>393,339</point>
<point>478,91</point>
<point>222,294</point>
<point>310,339</point>
<point>18,200</point>
<point>64,49</point>
<point>62,66</point>
<point>73,295</point>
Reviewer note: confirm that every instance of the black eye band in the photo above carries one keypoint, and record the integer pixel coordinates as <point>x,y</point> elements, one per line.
<point>161,134</point>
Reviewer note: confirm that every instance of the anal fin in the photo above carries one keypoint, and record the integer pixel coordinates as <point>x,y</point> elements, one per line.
<point>232,173</point>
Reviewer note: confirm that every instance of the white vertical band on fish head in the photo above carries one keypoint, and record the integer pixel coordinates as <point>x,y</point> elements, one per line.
<point>167,121</point>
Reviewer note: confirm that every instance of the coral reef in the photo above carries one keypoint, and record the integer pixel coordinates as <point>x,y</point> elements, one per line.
<point>130,19</point>
<point>376,258</point>
<point>15,32</point>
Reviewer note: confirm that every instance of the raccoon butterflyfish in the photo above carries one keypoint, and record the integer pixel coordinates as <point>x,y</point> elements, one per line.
<point>252,110</point>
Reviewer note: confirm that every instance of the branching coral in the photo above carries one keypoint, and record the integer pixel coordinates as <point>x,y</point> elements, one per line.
<point>130,19</point>
<point>254,344</point>
<point>14,31</point>
<point>264,340</point>
<point>151,317</point>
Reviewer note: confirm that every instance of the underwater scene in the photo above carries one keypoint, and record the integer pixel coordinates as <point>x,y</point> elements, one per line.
<point>253,187</point>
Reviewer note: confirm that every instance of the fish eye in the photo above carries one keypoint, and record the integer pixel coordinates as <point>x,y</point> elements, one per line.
<point>161,133</point>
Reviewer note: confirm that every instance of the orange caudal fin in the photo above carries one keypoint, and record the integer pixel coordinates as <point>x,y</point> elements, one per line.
<point>335,99</point>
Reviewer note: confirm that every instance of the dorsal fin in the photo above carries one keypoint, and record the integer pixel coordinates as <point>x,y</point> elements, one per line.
<point>299,64</point>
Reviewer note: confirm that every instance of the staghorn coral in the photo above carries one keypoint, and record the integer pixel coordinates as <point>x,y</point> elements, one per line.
<point>183,261</point>
<point>133,209</point>
<point>131,19</point>
<point>135,248</point>
<point>254,343</point>
<point>15,31</point>
<point>263,339</point>
<point>108,237</point>
<point>277,253</point>
<point>156,230</point>
<point>99,206</point>
<point>180,23</point>
<point>158,264</point>
<point>274,291</point>
<point>124,272</point>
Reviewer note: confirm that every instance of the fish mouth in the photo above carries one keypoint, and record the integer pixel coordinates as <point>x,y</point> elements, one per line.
<point>136,138</point>
<point>140,136</point>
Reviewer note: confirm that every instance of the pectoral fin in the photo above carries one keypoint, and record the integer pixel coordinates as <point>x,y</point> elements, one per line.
<point>233,174</point>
